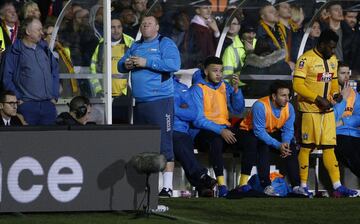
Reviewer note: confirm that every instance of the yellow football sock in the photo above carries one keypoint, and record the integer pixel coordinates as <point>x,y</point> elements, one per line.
<point>220,180</point>
<point>331,165</point>
<point>304,165</point>
<point>243,179</point>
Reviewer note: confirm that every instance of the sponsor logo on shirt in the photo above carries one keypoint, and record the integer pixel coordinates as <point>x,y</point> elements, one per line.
<point>325,77</point>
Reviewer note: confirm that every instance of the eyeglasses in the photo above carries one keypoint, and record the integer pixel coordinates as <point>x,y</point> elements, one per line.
<point>12,103</point>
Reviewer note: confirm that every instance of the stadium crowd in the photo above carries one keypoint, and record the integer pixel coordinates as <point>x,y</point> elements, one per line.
<point>262,38</point>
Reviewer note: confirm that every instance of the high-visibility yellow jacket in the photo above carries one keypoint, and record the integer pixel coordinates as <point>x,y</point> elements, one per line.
<point>119,85</point>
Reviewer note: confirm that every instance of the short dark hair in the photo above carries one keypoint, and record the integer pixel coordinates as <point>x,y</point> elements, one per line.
<point>5,93</point>
<point>343,64</point>
<point>77,102</point>
<point>279,84</point>
<point>212,60</point>
<point>328,35</point>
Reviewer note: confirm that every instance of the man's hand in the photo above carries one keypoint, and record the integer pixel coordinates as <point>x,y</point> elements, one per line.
<point>322,103</point>
<point>291,65</point>
<point>248,46</point>
<point>228,136</point>
<point>129,64</point>
<point>346,90</point>
<point>139,62</point>
<point>212,24</point>
<point>285,150</point>
<point>235,82</point>
<point>339,123</point>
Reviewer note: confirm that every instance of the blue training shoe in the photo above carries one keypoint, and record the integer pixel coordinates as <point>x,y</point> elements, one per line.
<point>223,191</point>
<point>343,191</point>
<point>244,188</point>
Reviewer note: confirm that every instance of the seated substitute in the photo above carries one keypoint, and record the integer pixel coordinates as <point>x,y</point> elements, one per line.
<point>270,126</point>
<point>215,100</point>
<point>185,112</point>
<point>347,115</point>
<point>79,112</point>
<point>8,110</point>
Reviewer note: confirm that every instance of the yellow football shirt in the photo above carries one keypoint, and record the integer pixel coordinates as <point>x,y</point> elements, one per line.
<point>320,78</point>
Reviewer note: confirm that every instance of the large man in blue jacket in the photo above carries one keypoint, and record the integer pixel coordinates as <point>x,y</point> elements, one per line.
<point>152,60</point>
<point>215,100</point>
<point>31,72</point>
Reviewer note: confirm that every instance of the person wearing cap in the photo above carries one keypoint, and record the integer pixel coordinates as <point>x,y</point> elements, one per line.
<point>215,100</point>
<point>235,54</point>
<point>203,33</point>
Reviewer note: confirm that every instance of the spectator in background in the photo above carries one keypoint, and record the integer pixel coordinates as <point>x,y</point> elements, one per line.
<point>347,123</point>
<point>152,62</point>
<point>215,100</point>
<point>120,43</point>
<point>68,87</point>
<point>310,42</point>
<point>130,22</point>
<point>248,37</point>
<point>203,33</point>
<point>79,112</point>
<point>235,54</point>
<point>30,9</point>
<point>270,30</point>
<point>9,24</point>
<point>351,38</point>
<point>81,40</point>
<point>8,110</point>
<point>287,27</point>
<point>234,28</point>
<point>139,7</point>
<point>96,20</point>
<point>180,35</point>
<point>297,17</point>
<point>335,13</point>
<point>31,72</point>
<point>185,112</point>
<point>264,60</point>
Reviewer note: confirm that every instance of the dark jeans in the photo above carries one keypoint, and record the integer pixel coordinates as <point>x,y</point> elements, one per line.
<point>347,152</point>
<point>256,150</point>
<point>184,153</point>
<point>38,112</point>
